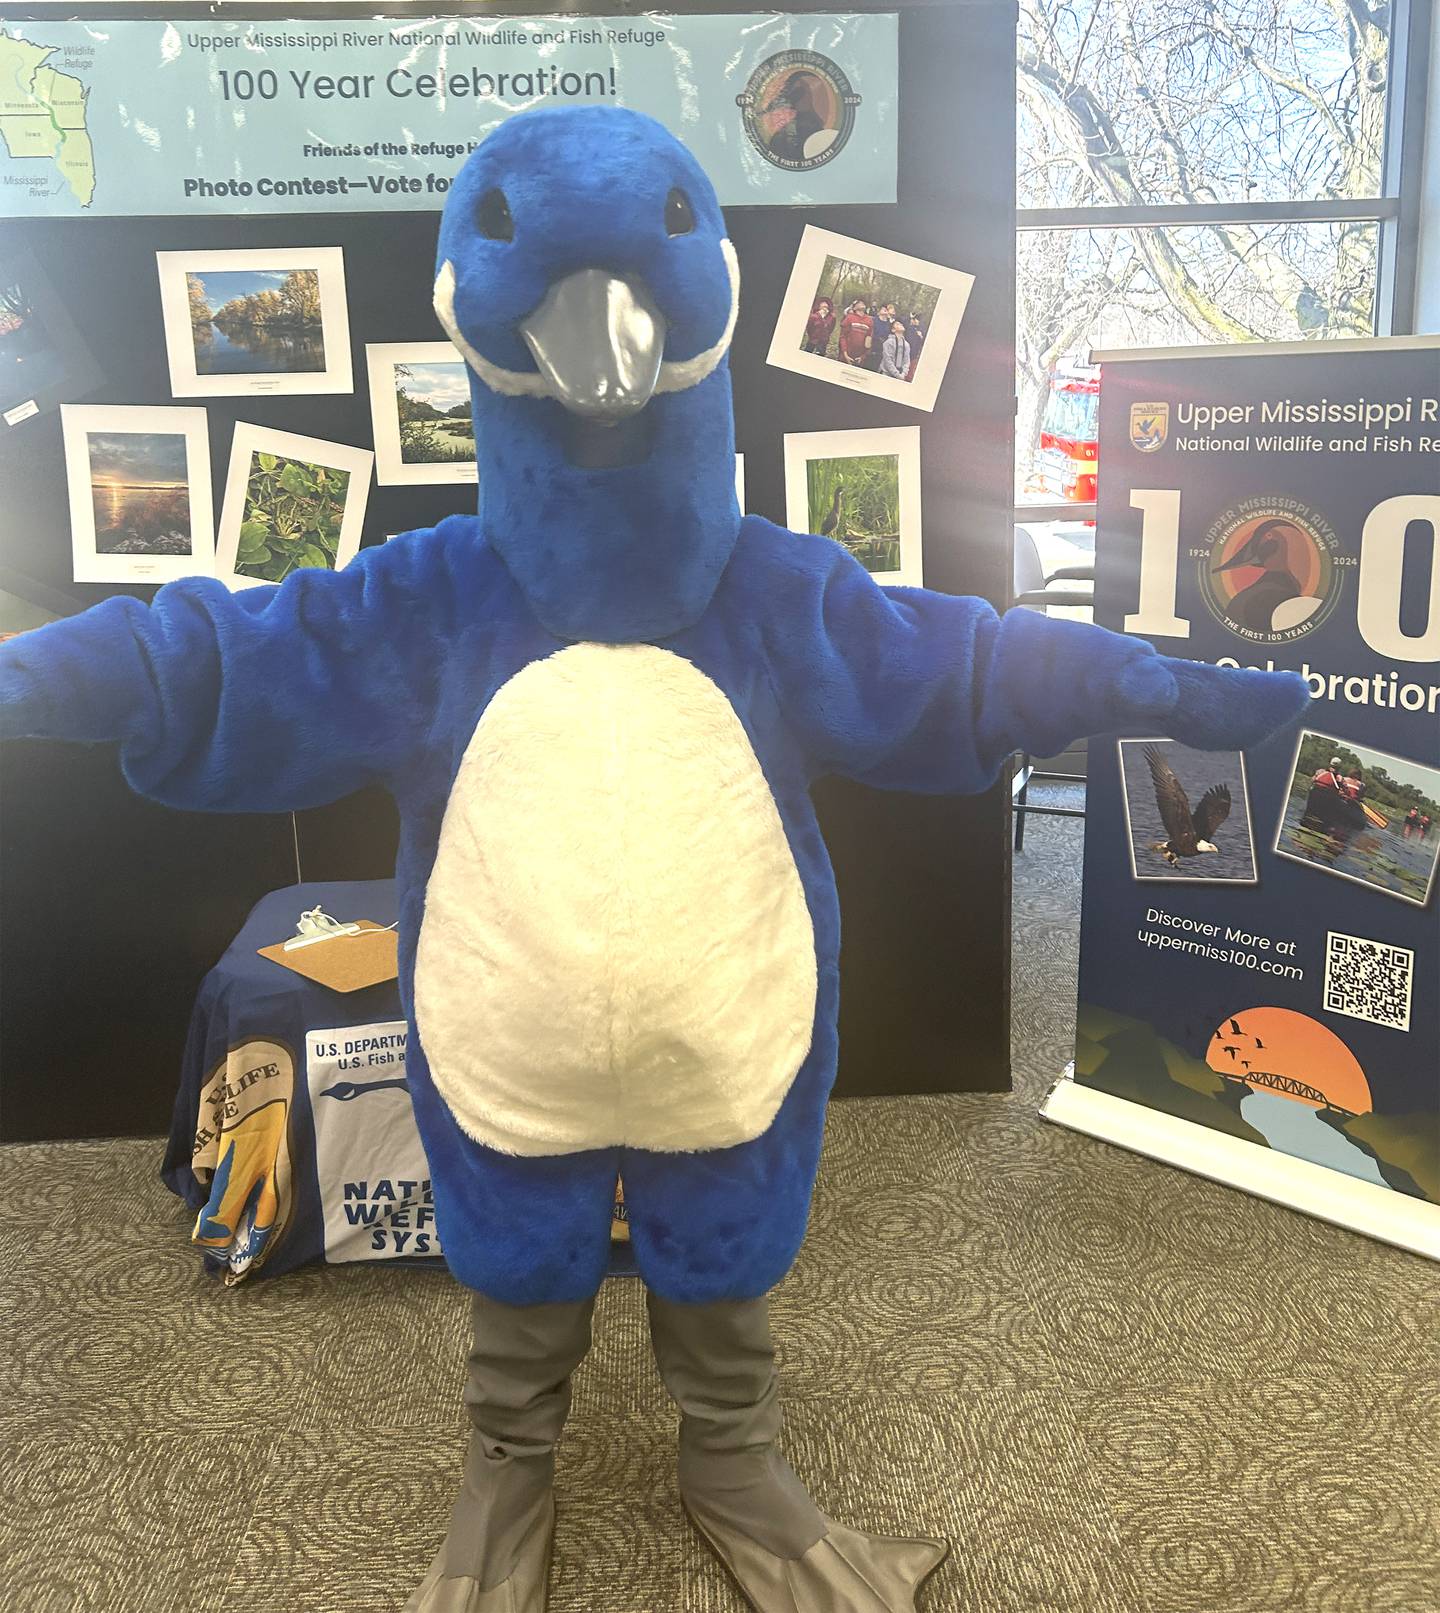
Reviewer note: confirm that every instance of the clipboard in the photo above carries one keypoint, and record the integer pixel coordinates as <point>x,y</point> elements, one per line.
<point>343,962</point>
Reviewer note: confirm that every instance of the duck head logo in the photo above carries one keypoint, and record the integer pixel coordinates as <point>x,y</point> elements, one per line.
<point>1149,426</point>
<point>1268,570</point>
<point>585,275</point>
<point>799,110</point>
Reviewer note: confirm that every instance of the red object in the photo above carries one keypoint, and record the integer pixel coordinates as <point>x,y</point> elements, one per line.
<point>854,336</point>
<point>1065,459</point>
<point>818,328</point>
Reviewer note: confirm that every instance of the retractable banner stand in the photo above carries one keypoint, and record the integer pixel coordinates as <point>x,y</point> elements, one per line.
<point>1260,946</point>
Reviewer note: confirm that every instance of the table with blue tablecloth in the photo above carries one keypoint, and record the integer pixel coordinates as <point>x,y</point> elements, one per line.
<point>293,1138</point>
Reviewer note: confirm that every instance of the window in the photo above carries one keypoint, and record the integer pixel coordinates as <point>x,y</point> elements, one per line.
<point>1202,171</point>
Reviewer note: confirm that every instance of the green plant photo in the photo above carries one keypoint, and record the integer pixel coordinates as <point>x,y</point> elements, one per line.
<point>856,501</point>
<point>293,514</point>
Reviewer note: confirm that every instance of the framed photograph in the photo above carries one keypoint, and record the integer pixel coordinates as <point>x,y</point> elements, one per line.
<point>247,323</point>
<point>865,317</point>
<point>420,409</point>
<point>1364,815</point>
<point>43,360</point>
<point>1187,814</point>
<point>861,488</point>
<point>139,492</point>
<point>290,502</point>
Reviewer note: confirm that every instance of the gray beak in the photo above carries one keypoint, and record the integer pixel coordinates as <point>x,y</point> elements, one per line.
<point>598,340</point>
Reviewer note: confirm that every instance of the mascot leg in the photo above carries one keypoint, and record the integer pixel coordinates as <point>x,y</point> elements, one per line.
<point>496,1556</point>
<point>718,1363</point>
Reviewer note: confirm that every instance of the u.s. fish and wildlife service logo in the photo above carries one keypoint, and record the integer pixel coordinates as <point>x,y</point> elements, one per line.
<point>799,109</point>
<point>1149,426</point>
<point>242,1154</point>
<point>1268,569</point>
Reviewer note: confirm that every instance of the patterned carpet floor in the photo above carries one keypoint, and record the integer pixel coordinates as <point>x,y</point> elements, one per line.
<point>1117,1388</point>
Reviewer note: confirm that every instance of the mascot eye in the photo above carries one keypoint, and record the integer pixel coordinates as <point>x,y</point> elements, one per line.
<point>493,217</point>
<point>679,218</point>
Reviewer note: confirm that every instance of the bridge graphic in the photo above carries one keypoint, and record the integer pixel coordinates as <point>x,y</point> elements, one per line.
<point>1285,1084</point>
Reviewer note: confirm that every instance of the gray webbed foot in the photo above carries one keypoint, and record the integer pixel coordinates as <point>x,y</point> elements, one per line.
<point>522,1591</point>
<point>845,1571</point>
<point>786,1556</point>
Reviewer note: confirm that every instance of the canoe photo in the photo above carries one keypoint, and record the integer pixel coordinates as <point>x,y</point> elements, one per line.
<point>432,405</point>
<point>140,492</point>
<point>256,321</point>
<point>1363,815</point>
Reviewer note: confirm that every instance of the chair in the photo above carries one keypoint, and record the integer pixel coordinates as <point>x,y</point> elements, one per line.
<point>1032,590</point>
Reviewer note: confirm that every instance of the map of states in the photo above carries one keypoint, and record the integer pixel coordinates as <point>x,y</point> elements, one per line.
<point>42,114</point>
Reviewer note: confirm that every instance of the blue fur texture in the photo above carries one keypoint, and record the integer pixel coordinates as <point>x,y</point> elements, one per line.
<point>291,696</point>
<point>612,555</point>
<point>279,698</point>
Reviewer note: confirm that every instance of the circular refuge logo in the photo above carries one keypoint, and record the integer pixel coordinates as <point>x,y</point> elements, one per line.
<point>799,109</point>
<point>1268,570</point>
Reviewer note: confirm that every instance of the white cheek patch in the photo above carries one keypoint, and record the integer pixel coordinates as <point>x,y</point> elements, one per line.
<point>676,375</point>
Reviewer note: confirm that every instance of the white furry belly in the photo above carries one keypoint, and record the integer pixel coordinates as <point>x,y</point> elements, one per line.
<point>616,947</point>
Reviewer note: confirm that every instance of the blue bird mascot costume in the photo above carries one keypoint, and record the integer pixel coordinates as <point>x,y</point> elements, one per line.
<point>599,705</point>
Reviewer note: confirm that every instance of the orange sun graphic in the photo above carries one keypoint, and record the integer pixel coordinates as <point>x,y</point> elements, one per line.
<point>1256,1042</point>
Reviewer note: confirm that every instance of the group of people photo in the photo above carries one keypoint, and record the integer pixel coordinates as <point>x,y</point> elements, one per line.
<point>868,319</point>
<point>875,337</point>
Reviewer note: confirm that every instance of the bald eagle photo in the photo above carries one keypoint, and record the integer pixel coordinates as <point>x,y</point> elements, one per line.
<point>1189,833</point>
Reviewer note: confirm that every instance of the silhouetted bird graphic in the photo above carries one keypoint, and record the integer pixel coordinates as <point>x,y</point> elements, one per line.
<point>1255,604</point>
<point>1232,1051</point>
<point>1236,1031</point>
<point>1189,834</point>
<point>832,516</point>
<point>1246,1063</point>
<point>1258,1042</point>
<point>788,142</point>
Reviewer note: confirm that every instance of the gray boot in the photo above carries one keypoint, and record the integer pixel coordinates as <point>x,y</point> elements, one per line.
<point>496,1556</point>
<point>785,1555</point>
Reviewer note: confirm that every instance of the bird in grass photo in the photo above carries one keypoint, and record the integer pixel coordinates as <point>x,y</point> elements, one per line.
<point>829,527</point>
<point>1189,832</point>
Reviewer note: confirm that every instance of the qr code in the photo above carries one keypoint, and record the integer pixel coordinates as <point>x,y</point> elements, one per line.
<point>1368,980</point>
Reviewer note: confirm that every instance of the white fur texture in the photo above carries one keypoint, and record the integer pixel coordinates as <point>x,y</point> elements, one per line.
<point>616,947</point>
<point>676,375</point>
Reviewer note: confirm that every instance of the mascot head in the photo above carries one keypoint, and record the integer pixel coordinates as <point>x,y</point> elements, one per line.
<point>585,275</point>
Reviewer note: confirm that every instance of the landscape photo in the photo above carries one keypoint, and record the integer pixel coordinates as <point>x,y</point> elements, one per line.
<point>1363,815</point>
<point>256,321</point>
<point>432,408</point>
<point>139,484</point>
<point>43,361</point>
<point>420,414</point>
<point>29,359</point>
<point>140,492</point>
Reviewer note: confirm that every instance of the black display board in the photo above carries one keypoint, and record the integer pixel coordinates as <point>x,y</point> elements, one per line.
<point>112,908</point>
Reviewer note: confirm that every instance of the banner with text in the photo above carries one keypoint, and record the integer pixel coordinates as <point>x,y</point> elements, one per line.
<point>1260,942</point>
<point>155,117</point>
